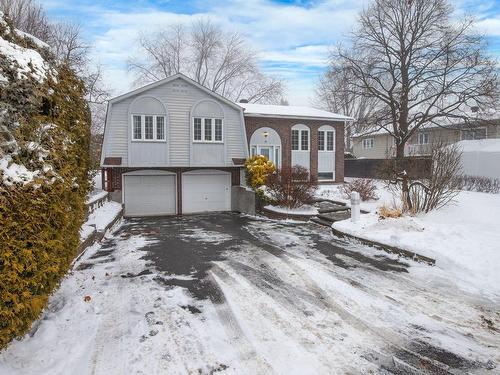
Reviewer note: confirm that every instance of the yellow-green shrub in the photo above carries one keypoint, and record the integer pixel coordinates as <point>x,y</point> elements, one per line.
<point>40,220</point>
<point>258,167</point>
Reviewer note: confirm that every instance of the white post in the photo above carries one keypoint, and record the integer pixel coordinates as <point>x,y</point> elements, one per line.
<point>355,206</point>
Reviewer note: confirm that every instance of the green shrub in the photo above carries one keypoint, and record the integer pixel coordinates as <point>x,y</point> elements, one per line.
<point>40,220</point>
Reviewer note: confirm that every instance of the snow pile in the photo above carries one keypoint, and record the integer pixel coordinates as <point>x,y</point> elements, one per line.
<point>104,215</point>
<point>28,62</point>
<point>305,210</point>
<point>333,192</point>
<point>463,237</point>
<point>13,173</point>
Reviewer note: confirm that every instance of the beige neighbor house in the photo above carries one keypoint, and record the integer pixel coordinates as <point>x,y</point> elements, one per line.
<point>379,144</point>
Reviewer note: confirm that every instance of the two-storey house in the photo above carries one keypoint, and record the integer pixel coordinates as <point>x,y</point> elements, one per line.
<point>176,147</point>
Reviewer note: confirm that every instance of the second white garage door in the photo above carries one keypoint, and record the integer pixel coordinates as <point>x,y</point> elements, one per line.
<point>149,195</point>
<point>205,191</point>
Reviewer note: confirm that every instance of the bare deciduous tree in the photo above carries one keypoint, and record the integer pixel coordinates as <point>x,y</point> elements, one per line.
<point>337,93</point>
<point>421,66</point>
<point>220,61</point>
<point>28,16</point>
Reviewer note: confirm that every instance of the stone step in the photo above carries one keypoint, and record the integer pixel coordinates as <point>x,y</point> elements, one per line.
<point>322,222</point>
<point>333,217</point>
<point>334,209</point>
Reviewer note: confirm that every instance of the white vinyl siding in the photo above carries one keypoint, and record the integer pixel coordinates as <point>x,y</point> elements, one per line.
<point>179,98</point>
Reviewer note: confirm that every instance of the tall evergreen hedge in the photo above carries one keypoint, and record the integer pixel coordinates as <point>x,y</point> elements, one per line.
<point>49,121</point>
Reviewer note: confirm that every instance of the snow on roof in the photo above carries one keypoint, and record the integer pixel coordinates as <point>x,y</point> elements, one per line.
<point>268,110</point>
<point>445,123</point>
<point>480,145</point>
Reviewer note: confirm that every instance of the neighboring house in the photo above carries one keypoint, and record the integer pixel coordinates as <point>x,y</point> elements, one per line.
<point>380,144</point>
<point>175,147</point>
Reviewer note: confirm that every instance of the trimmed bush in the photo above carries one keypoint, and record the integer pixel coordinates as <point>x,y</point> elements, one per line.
<point>364,186</point>
<point>48,123</point>
<point>291,187</point>
<point>258,167</point>
<point>479,184</point>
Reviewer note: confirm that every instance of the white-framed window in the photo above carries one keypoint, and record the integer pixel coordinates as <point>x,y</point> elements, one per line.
<point>423,138</point>
<point>150,128</point>
<point>208,130</point>
<point>368,143</point>
<point>326,140</point>
<point>471,134</point>
<point>300,140</point>
<point>271,152</point>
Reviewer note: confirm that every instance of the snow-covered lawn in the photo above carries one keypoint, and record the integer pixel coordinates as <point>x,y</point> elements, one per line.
<point>228,294</point>
<point>463,237</point>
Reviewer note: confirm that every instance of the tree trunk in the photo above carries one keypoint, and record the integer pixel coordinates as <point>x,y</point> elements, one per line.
<point>401,172</point>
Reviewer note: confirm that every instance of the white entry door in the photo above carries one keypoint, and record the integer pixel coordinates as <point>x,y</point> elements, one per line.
<point>205,191</point>
<point>149,195</point>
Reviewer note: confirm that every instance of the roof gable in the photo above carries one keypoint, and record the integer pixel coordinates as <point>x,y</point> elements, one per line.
<point>163,81</point>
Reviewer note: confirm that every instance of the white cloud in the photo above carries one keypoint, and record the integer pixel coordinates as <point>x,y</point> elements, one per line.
<point>293,41</point>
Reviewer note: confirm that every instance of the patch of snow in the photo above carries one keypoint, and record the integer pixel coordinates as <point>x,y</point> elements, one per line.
<point>96,195</point>
<point>16,173</point>
<point>203,235</point>
<point>289,111</point>
<point>463,237</point>
<point>34,39</point>
<point>86,231</point>
<point>28,61</point>
<point>104,215</point>
<point>302,210</point>
<point>335,193</point>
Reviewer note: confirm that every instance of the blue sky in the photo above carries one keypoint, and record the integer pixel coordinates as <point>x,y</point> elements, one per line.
<point>293,37</point>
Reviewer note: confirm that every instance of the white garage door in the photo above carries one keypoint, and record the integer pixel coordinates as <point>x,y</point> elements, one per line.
<point>149,195</point>
<point>207,191</point>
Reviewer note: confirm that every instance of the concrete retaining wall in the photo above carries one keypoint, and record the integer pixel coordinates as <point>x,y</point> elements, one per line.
<point>242,200</point>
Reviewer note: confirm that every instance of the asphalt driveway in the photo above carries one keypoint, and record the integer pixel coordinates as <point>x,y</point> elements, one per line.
<point>229,294</point>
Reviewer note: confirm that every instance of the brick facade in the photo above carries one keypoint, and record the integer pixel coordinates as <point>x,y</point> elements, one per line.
<point>283,126</point>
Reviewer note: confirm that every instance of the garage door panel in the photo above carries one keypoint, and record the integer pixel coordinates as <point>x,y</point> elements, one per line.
<point>149,195</point>
<point>206,192</point>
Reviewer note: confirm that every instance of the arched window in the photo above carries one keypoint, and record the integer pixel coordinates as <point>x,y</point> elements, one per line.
<point>300,138</point>
<point>326,138</point>
<point>207,122</point>
<point>148,120</point>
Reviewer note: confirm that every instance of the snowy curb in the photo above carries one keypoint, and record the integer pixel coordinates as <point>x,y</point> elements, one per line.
<point>98,235</point>
<point>271,214</point>
<point>387,248</point>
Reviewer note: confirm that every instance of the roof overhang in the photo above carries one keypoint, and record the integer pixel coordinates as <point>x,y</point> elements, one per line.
<point>337,119</point>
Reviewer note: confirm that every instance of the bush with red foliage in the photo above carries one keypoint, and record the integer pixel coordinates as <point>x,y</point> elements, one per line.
<point>364,186</point>
<point>291,187</point>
